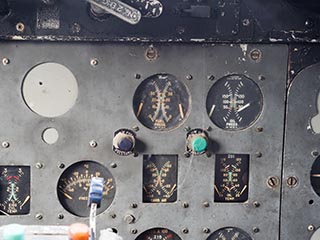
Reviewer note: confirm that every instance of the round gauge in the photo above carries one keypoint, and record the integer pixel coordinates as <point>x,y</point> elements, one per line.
<point>315,176</point>
<point>74,183</point>
<point>158,234</point>
<point>15,197</point>
<point>229,233</point>
<point>234,102</point>
<point>161,102</point>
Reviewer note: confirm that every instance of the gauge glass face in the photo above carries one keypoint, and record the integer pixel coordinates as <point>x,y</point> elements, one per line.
<point>229,233</point>
<point>14,190</point>
<point>315,176</point>
<point>158,234</point>
<point>74,183</point>
<point>161,102</point>
<point>231,178</point>
<point>234,102</point>
<point>160,174</point>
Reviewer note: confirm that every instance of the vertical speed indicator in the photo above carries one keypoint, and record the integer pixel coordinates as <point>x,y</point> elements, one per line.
<point>234,102</point>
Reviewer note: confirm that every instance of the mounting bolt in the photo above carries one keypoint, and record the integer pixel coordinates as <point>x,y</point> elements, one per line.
<point>39,216</point>
<point>5,61</point>
<point>75,28</point>
<point>113,215</point>
<point>311,228</point>
<point>129,219</point>
<point>189,77</point>
<point>39,165</point>
<point>210,77</point>
<point>113,165</point>
<point>292,181</point>
<point>61,165</point>
<point>187,128</point>
<point>258,154</point>
<point>93,143</point>
<point>5,144</point>
<point>206,204</point>
<point>246,22</point>
<point>273,182</point>
<point>185,205</point>
<point>256,204</point>
<point>256,229</point>
<point>135,128</point>
<point>60,216</point>
<point>133,205</point>
<point>185,230</point>
<point>259,129</point>
<point>315,153</point>
<point>209,129</point>
<point>20,27</point>
<point>206,230</point>
<point>255,55</point>
<point>261,78</point>
<point>151,54</point>
<point>94,62</point>
<point>137,76</point>
<point>134,231</point>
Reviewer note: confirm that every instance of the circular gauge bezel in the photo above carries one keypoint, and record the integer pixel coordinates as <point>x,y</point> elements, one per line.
<point>69,172</point>
<point>245,234</point>
<point>315,166</point>
<point>143,235</point>
<point>183,89</point>
<point>220,82</point>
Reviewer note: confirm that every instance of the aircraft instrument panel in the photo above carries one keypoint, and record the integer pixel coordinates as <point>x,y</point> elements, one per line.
<point>183,145</point>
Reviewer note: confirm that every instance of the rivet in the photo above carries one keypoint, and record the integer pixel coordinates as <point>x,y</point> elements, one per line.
<point>211,77</point>
<point>39,165</point>
<point>315,153</point>
<point>134,205</point>
<point>135,128</point>
<point>134,231</point>
<point>5,144</point>
<point>189,77</point>
<point>311,228</point>
<point>137,76</point>
<point>206,230</point>
<point>61,165</point>
<point>20,27</point>
<point>259,129</point>
<point>185,230</point>
<point>113,165</point>
<point>93,144</point>
<point>206,204</point>
<point>39,216</point>
<point>5,61</point>
<point>94,62</point>
<point>185,205</point>
<point>258,154</point>
<point>256,230</point>
<point>256,204</point>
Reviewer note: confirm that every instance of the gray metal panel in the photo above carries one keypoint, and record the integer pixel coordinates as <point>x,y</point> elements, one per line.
<point>297,213</point>
<point>104,105</point>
